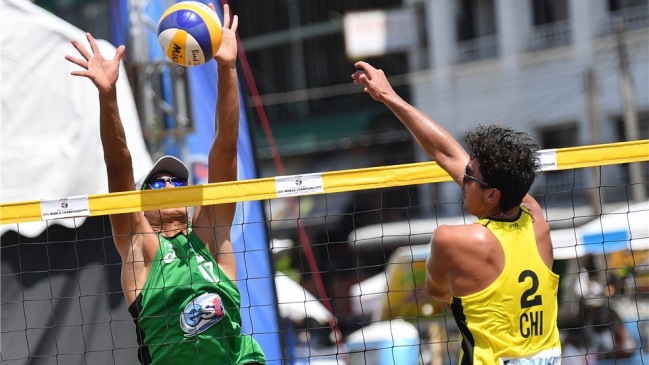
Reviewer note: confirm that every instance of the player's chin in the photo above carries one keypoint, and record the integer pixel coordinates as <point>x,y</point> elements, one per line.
<point>174,212</point>
<point>167,214</point>
<point>466,207</point>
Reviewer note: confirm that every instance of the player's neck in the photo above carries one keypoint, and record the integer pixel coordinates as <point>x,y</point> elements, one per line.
<point>170,229</point>
<point>506,215</point>
<point>494,212</point>
<point>169,222</point>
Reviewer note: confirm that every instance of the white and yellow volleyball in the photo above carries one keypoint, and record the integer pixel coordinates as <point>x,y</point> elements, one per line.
<point>190,33</point>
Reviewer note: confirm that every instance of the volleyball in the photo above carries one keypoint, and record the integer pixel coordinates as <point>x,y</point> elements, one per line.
<point>189,33</point>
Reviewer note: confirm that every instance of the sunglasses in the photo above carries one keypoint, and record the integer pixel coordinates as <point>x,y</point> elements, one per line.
<point>161,182</point>
<point>468,176</point>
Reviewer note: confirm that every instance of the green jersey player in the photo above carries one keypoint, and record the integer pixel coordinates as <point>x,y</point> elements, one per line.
<point>178,273</point>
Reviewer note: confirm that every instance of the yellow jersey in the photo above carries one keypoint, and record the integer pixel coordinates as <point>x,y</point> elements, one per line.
<point>514,320</point>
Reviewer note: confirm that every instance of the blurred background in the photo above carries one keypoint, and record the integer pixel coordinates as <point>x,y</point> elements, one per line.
<point>569,72</point>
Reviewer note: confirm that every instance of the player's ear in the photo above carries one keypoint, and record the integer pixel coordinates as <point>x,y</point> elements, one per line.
<point>493,195</point>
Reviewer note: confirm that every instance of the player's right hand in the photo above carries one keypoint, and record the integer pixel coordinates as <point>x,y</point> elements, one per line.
<point>103,73</point>
<point>227,53</point>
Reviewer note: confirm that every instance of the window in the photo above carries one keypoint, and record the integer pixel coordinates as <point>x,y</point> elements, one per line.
<point>643,127</point>
<point>475,22</point>
<point>549,11</point>
<point>559,136</point>
<point>615,5</point>
<point>634,13</point>
<point>475,18</point>
<point>551,24</point>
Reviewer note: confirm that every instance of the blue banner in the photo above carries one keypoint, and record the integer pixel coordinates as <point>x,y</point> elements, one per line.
<point>118,22</point>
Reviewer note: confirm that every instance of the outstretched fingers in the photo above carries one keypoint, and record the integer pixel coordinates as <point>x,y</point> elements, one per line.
<point>229,21</point>
<point>84,53</point>
<point>235,23</point>
<point>226,16</point>
<point>119,53</point>
<point>93,44</point>
<point>77,61</point>
<point>80,73</point>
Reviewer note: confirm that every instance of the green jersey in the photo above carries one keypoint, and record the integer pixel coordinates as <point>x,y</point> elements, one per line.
<point>188,310</point>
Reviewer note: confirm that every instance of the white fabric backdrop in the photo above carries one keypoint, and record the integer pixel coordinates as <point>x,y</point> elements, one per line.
<point>50,119</point>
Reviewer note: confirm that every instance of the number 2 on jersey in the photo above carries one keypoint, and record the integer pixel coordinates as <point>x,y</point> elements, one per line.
<point>528,299</point>
<point>530,323</point>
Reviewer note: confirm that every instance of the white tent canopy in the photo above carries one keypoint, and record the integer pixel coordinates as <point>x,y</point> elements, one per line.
<point>369,294</point>
<point>622,229</point>
<point>50,120</point>
<point>567,243</point>
<point>396,234</point>
<point>625,228</point>
<point>296,303</point>
<point>378,332</point>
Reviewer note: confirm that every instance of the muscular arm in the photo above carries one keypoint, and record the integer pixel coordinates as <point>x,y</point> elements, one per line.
<point>104,74</point>
<point>437,281</point>
<point>541,230</point>
<point>119,168</point>
<point>117,156</point>
<point>223,154</point>
<point>222,162</point>
<point>432,137</point>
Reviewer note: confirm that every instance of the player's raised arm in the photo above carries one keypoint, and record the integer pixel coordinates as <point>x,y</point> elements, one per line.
<point>432,137</point>
<point>223,154</point>
<point>119,167</point>
<point>104,74</point>
<point>212,223</point>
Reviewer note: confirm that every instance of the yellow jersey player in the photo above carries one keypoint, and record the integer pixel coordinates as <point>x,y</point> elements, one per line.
<point>496,273</point>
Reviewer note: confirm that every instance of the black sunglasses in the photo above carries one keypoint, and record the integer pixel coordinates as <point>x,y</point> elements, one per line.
<point>467,175</point>
<point>161,182</point>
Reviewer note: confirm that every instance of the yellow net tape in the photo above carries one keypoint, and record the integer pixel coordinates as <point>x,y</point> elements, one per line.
<point>332,182</point>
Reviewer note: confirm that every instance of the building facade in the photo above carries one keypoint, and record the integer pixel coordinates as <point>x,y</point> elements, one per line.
<point>524,64</point>
<point>520,63</point>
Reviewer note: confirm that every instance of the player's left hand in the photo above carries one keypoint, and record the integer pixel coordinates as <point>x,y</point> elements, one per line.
<point>375,82</point>
<point>227,53</point>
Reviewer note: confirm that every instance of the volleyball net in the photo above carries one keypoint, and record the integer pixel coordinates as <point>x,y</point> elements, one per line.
<point>356,269</point>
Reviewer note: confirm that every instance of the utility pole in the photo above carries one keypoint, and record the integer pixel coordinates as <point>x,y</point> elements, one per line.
<point>297,55</point>
<point>593,129</point>
<point>139,57</point>
<point>630,114</point>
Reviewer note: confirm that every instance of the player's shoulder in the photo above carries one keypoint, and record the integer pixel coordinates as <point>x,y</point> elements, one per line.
<point>458,234</point>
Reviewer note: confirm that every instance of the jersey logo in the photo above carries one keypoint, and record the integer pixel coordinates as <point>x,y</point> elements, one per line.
<point>170,256</point>
<point>545,357</point>
<point>201,313</point>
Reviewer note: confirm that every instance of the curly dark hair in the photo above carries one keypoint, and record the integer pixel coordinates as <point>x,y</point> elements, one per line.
<point>508,161</point>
